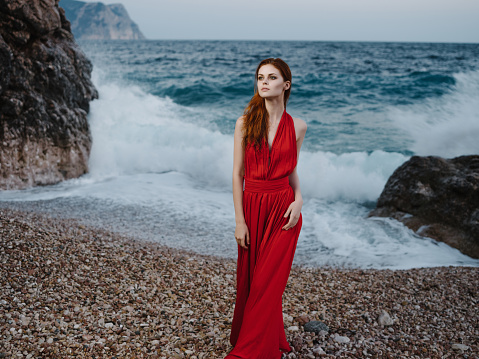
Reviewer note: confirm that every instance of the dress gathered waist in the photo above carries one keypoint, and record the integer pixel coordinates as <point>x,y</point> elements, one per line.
<point>266,186</point>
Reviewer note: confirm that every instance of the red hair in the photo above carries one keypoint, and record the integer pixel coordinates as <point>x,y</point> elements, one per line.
<point>255,116</point>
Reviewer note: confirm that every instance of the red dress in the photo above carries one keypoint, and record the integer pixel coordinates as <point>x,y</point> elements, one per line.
<point>263,269</point>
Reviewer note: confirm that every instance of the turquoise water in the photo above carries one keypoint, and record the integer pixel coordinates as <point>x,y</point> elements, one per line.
<point>161,160</point>
<point>343,90</point>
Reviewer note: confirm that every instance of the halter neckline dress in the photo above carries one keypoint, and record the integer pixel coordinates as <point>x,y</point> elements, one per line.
<point>263,269</point>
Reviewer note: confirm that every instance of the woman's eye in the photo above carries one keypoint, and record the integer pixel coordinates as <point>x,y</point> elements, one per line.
<point>273,77</point>
<point>260,78</point>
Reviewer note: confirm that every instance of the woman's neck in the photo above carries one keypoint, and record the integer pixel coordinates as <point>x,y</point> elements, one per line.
<point>275,108</point>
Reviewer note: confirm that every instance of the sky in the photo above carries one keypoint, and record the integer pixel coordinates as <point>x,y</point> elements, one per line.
<point>321,20</point>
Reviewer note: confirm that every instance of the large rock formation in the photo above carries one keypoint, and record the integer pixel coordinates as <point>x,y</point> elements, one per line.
<point>438,198</point>
<point>97,21</point>
<point>45,90</point>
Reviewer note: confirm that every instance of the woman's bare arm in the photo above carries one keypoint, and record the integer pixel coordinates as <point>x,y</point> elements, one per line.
<point>241,231</point>
<point>294,208</point>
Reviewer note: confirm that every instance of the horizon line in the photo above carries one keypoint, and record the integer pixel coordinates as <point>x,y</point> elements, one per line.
<point>289,40</point>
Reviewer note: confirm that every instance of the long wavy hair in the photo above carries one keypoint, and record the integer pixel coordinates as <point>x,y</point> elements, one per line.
<point>255,116</point>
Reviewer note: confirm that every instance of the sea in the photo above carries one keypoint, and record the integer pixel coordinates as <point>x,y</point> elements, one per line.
<point>161,161</point>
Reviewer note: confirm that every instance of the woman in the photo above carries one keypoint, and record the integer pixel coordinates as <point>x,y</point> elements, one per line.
<point>267,142</point>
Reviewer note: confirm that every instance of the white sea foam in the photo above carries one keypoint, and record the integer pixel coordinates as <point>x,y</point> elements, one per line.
<point>159,175</point>
<point>339,233</point>
<point>446,126</point>
<point>134,132</point>
<point>356,176</point>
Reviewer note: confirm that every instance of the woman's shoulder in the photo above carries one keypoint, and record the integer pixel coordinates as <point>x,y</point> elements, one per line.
<point>239,123</point>
<point>300,126</point>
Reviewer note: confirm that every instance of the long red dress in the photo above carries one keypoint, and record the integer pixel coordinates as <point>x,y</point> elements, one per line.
<point>263,269</point>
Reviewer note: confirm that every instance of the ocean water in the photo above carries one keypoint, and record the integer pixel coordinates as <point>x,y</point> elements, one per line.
<point>161,161</point>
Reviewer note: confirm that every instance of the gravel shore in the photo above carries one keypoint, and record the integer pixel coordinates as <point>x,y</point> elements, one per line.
<point>72,291</point>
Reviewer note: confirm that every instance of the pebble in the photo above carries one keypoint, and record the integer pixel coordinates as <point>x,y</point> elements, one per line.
<point>25,320</point>
<point>303,319</point>
<point>315,326</point>
<point>384,319</point>
<point>104,295</point>
<point>460,347</point>
<point>340,339</point>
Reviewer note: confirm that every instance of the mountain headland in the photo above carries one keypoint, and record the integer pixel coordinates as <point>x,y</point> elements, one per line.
<point>97,21</point>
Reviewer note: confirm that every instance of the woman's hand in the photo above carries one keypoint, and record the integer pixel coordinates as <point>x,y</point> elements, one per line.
<point>293,211</point>
<point>242,235</point>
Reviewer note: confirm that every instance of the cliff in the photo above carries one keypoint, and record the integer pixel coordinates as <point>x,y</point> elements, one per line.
<point>97,21</point>
<point>437,198</point>
<point>45,90</point>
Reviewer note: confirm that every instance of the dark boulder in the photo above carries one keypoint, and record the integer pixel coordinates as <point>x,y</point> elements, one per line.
<point>437,198</point>
<point>45,91</point>
<point>315,326</point>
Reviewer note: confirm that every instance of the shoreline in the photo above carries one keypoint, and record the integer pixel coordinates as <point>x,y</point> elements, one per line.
<point>72,290</point>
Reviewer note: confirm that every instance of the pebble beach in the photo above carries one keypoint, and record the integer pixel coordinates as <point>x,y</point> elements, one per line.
<point>74,291</point>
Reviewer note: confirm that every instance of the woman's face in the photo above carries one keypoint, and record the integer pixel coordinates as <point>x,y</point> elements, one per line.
<point>270,83</point>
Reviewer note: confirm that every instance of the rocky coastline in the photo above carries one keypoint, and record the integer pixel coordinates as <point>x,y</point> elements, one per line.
<point>45,91</point>
<point>98,21</point>
<point>74,291</point>
<point>437,198</point>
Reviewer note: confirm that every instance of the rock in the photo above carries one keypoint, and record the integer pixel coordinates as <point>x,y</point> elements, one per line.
<point>437,198</point>
<point>459,347</point>
<point>297,343</point>
<point>287,319</point>
<point>384,319</point>
<point>293,328</point>
<point>366,317</point>
<point>315,327</point>
<point>24,320</point>
<point>303,319</point>
<point>340,339</point>
<point>318,350</point>
<point>97,21</point>
<point>45,90</point>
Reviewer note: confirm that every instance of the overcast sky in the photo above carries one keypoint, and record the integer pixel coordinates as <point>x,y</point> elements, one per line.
<point>340,20</point>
